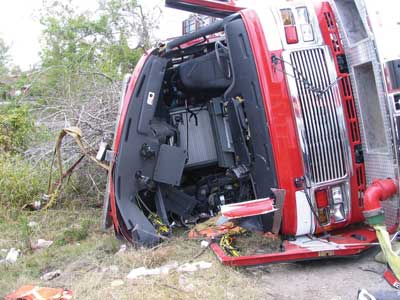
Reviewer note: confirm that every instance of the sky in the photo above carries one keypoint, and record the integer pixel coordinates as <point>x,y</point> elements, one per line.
<point>21,30</point>
<point>20,27</point>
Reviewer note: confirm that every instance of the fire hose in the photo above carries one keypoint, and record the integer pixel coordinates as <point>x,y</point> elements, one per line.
<point>381,190</point>
<point>54,189</point>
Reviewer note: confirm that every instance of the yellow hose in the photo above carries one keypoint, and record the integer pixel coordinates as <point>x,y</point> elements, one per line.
<point>390,255</point>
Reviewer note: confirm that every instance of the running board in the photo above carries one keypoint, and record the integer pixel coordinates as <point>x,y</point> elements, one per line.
<point>348,242</point>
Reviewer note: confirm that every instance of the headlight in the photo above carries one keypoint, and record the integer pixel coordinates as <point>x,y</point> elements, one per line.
<point>338,205</point>
<point>337,195</point>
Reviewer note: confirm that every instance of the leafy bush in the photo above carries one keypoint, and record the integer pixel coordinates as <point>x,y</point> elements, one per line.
<point>16,128</point>
<point>20,181</point>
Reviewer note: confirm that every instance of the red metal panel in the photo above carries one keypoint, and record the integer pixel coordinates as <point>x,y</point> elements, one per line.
<point>229,6</point>
<point>331,37</point>
<point>248,208</point>
<point>391,279</point>
<point>280,118</point>
<point>206,7</point>
<point>348,241</point>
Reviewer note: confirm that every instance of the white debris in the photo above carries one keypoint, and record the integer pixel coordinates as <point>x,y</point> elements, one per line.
<point>204,244</point>
<point>50,275</point>
<point>4,250</point>
<point>188,267</point>
<point>122,249</point>
<point>12,256</point>
<point>192,267</point>
<point>42,244</point>
<point>32,224</point>
<point>142,271</point>
<point>116,283</point>
<point>112,269</point>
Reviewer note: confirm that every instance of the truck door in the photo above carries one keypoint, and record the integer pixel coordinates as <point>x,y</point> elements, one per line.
<point>214,8</point>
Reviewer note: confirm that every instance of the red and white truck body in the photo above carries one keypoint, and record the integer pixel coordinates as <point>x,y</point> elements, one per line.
<point>292,104</point>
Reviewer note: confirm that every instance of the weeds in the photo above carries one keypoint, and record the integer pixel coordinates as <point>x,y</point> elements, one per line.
<point>16,128</point>
<point>26,231</point>
<point>20,182</point>
<point>75,234</point>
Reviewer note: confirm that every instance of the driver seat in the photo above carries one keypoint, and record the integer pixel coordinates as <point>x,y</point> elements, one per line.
<point>204,74</point>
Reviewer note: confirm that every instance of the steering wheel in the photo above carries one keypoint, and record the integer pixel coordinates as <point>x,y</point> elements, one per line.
<point>227,69</point>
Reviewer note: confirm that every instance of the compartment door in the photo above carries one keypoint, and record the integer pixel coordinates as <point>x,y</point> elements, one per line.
<point>214,8</point>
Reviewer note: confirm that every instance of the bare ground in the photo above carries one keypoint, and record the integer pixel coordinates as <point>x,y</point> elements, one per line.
<point>92,268</point>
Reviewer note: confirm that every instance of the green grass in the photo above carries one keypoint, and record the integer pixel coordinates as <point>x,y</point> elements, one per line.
<point>20,181</point>
<point>88,260</point>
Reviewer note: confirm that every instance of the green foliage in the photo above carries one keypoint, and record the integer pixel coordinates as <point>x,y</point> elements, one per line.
<point>16,128</point>
<point>20,181</point>
<point>76,43</point>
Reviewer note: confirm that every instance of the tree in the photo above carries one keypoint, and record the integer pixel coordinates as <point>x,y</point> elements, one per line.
<point>94,43</point>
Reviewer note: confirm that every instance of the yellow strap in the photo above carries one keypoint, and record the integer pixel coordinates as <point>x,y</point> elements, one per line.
<point>391,257</point>
<point>76,134</point>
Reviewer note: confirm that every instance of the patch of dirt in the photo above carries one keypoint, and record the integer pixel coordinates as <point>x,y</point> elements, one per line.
<point>335,279</point>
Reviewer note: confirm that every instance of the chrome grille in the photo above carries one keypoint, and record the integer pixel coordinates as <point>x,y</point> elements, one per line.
<point>323,145</point>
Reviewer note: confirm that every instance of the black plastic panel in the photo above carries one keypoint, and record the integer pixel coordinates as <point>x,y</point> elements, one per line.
<point>246,85</point>
<point>129,161</point>
<point>170,164</point>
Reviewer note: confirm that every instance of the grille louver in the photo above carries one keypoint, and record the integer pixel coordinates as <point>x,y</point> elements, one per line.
<point>322,123</point>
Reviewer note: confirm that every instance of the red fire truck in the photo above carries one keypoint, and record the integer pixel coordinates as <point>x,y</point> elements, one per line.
<point>282,120</point>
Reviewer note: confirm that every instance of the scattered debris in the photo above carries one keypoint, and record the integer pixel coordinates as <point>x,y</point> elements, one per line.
<point>42,244</point>
<point>363,294</point>
<point>204,244</point>
<point>116,283</point>
<point>32,224</point>
<point>209,229</point>
<point>112,269</point>
<point>36,205</point>
<point>122,249</point>
<point>187,267</point>
<point>192,267</point>
<point>142,271</point>
<point>31,292</point>
<point>12,256</point>
<point>50,275</point>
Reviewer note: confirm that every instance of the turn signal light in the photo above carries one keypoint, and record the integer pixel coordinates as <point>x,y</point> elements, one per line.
<point>323,215</point>
<point>291,34</point>
<point>321,198</point>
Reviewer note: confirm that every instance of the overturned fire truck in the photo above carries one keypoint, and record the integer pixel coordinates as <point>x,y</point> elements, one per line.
<point>284,117</point>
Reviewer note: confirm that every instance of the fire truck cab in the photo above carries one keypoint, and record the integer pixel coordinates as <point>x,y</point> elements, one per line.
<point>278,113</point>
